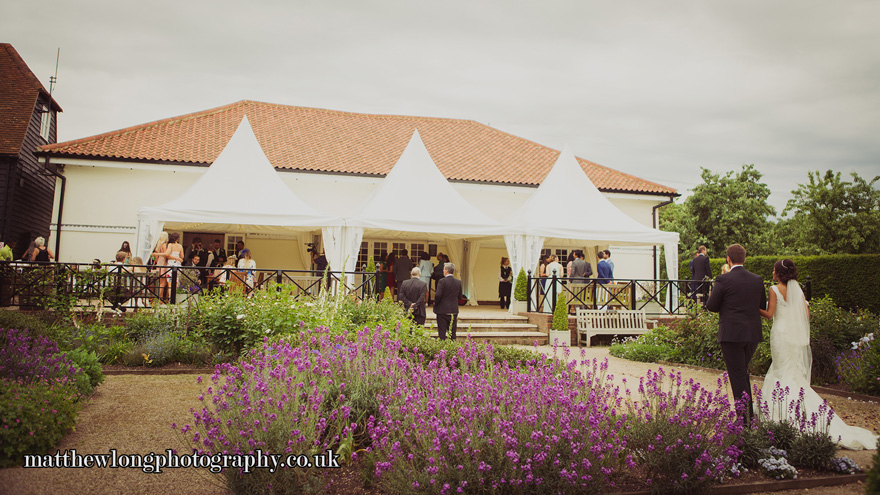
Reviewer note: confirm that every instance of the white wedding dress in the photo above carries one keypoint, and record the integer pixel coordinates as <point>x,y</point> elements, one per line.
<point>792,360</point>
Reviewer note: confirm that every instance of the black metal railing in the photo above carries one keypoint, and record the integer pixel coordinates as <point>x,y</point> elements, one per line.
<point>121,287</point>
<point>643,294</point>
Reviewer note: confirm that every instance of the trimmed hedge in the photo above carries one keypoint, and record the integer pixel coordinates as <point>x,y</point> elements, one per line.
<point>851,280</point>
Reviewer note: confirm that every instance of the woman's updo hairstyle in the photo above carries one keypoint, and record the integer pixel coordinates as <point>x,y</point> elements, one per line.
<point>785,270</point>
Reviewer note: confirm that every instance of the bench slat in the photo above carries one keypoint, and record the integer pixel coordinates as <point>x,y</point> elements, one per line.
<point>591,322</point>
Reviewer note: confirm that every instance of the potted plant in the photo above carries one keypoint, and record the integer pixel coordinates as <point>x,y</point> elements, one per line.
<point>520,293</point>
<point>559,326</point>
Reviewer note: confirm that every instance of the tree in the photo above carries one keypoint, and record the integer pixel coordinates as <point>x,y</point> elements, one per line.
<point>724,210</point>
<point>831,215</point>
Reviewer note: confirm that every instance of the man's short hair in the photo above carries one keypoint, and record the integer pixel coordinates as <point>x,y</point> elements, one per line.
<point>404,253</point>
<point>121,255</point>
<point>702,249</point>
<point>217,241</point>
<point>415,272</point>
<point>449,267</point>
<point>737,254</point>
<point>197,240</point>
<point>607,253</point>
<point>600,255</point>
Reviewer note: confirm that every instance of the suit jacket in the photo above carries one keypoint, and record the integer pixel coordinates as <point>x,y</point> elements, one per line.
<point>402,267</point>
<point>603,272</point>
<point>736,297</point>
<point>412,293</point>
<point>702,268</point>
<point>447,295</point>
<point>581,269</point>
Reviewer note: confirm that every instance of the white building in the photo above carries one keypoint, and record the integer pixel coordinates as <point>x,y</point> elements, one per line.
<point>329,159</point>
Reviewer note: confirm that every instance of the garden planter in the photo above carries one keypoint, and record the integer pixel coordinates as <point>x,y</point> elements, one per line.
<point>564,337</point>
<point>518,306</point>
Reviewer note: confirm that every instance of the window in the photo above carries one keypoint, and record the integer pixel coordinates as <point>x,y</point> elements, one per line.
<point>562,254</point>
<point>380,251</point>
<point>45,122</point>
<point>363,256</point>
<point>231,241</point>
<point>415,252</point>
<point>398,248</point>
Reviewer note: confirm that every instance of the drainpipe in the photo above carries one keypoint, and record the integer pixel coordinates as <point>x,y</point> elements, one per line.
<point>60,208</point>
<point>654,223</point>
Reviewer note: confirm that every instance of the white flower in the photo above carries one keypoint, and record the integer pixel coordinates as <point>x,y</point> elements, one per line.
<point>239,317</point>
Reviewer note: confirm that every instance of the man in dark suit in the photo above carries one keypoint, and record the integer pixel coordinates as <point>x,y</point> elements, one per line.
<point>411,294</point>
<point>737,297</point>
<point>446,302</point>
<point>219,254</point>
<point>402,266</point>
<point>701,269</point>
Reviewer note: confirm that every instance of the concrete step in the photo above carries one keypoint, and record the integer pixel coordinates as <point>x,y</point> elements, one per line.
<point>485,319</point>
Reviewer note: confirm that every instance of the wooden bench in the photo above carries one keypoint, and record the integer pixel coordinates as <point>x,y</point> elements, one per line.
<point>591,322</point>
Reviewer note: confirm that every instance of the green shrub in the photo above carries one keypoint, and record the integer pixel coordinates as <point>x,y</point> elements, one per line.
<point>698,338</point>
<point>655,345</point>
<point>825,355</point>
<point>87,362</point>
<point>860,367</point>
<point>812,449</point>
<point>830,275</point>
<point>520,292</point>
<point>22,321</point>
<point>113,353</point>
<point>872,484</point>
<point>560,314</point>
<point>33,418</point>
<point>840,326</point>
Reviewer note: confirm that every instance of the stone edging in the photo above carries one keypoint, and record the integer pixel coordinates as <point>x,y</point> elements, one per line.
<point>160,371</point>
<point>779,485</point>
<point>822,390</point>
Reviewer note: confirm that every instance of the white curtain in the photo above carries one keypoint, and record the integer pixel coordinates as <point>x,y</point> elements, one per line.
<point>147,234</point>
<point>341,247</point>
<point>473,251</point>
<point>523,251</point>
<point>670,250</point>
<point>455,248</point>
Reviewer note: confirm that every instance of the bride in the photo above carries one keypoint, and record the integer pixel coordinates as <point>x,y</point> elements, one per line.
<point>792,360</point>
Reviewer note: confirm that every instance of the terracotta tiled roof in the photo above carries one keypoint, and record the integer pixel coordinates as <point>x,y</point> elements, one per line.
<point>312,139</point>
<point>19,90</point>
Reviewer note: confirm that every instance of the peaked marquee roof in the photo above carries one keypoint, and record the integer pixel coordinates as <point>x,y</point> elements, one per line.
<point>592,216</point>
<point>19,90</point>
<point>396,204</point>
<point>265,199</point>
<point>311,139</point>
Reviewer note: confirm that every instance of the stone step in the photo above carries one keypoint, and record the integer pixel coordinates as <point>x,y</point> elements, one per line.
<point>519,338</point>
<point>485,319</point>
<point>490,327</point>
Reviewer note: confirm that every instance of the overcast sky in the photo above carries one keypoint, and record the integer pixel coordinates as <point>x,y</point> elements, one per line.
<point>655,89</point>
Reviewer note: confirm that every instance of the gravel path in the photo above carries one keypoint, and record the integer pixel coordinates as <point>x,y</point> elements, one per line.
<point>133,414</point>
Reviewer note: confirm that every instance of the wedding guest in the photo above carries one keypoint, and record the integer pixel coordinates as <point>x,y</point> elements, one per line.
<point>389,268</point>
<point>580,269</point>
<point>248,263</point>
<point>402,267</point>
<point>552,269</point>
<point>169,254</point>
<point>608,260</point>
<point>6,251</point>
<point>219,254</point>
<point>426,269</point>
<point>41,254</point>
<point>239,247</point>
<point>126,248</point>
<point>505,284</point>
<point>702,270</point>
<point>412,296</point>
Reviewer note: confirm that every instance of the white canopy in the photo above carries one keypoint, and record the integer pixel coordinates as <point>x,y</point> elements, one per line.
<point>241,188</point>
<point>416,197</point>
<point>580,212</point>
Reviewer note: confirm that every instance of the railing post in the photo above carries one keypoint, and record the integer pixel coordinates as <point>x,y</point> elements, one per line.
<point>278,279</point>
<point>529,291</point>
<point>553,292</point>
<point>632,294</point>
<point>173,288</point>
<point>808,293</point>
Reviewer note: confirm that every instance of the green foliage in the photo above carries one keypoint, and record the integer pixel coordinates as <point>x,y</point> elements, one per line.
<point>560,314</point>
<point>386,296</point>
<point>371,265</point>
<point>860,367</point>
<point>723,210</point>
<point>840,326</point>
<point>812,449</point>
<point>872,483</point>
<point>87,362</point>
<point>836,216</point>
<point>520,292</point>
<point>698,338</point>
<point>650,347</point>
<point>23,321</point>
<point>33,418</point>
<point>852,281</point>
<point>824,369</point>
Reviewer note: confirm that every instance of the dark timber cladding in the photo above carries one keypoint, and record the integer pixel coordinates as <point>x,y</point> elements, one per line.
<point>27,192</point>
